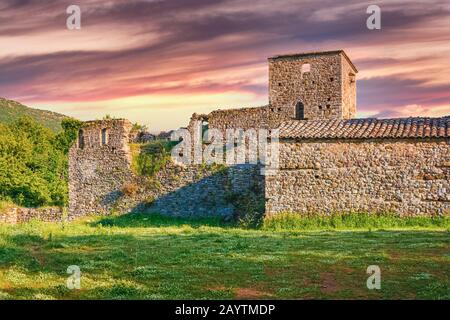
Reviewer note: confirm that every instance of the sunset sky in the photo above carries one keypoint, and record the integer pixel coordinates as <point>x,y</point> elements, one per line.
<point>157,62</point>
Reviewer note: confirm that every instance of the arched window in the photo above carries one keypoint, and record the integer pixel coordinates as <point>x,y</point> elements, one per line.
<point>104,137</point>
<point>299,111</point>
<point>81,139</point>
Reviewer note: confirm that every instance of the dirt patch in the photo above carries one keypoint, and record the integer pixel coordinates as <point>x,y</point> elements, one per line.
<point>250,293</point>
<point>395,255</point>
<point>329,283</point>
<point>217,288</point>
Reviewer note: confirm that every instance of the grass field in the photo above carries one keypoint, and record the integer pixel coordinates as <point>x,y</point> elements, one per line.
<point>142,257</point>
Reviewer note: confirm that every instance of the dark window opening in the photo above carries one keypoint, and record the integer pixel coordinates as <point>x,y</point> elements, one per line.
<point>300,111</point>
<point>279,109</point>
<point>329,99</point>
<point>104,137</point>
<point>81,139</point>
<point>331,79</point>
<point>320,107</point>
<point>352,77</point>
<point>279,84</point>
<point>328,106</point>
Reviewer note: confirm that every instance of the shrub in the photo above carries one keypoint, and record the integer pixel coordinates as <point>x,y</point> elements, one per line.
<point>129,189</point>
<point>150,158</point>
<point>33,162</point>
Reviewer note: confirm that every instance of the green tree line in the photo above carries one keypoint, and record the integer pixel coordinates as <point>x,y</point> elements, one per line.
<point>34,162</point>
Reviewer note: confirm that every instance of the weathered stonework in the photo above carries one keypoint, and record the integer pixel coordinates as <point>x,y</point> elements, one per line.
<point>406,177</point>
<point>323,84</point>
<point>98,169</point>
<point>326,91</point>
<point>21,215</point>
<point>191,191</point>
<point>329,163</point>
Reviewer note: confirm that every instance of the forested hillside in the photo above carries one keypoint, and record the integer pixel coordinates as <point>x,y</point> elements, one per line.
<point>12,110</point>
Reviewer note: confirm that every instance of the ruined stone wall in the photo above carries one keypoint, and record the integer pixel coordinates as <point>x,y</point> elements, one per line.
<point>191,191</point>
<point>266,117</point>
<point>408,177</point>
<point>320,90</point>
<point>20,215</point>
<point>100,175</point>
<point>97,171</point>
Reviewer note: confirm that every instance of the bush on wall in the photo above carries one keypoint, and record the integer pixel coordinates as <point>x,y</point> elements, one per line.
<point>150,158</point>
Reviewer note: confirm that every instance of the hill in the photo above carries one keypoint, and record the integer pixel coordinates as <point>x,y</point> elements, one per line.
<point>11,110</point>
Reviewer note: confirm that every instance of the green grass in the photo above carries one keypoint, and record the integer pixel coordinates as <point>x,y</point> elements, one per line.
<point>151,257</point>
<point>292,221</point>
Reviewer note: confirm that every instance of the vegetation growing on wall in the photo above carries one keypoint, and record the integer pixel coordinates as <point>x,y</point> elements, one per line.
<point>149,158</point>
<point>33,162</point>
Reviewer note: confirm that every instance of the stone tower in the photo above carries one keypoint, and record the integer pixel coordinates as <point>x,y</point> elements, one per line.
<point>99,164</point>
<point>317,85</point>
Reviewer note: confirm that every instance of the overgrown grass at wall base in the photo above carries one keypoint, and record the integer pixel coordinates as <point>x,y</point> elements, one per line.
<point>293,221</point>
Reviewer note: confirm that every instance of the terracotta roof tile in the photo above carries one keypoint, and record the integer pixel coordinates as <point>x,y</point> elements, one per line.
<point>369,128</point>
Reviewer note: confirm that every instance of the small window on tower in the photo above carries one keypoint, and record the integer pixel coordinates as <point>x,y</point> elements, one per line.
<point>352,77</point>
<point>104,137</point>
<point>306,68</point>
<point>81,139</point>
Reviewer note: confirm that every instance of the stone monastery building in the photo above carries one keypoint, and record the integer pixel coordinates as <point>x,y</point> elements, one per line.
<point>330,162</point>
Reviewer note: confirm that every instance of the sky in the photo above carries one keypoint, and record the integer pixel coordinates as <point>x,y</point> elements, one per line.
<point>156,62</point>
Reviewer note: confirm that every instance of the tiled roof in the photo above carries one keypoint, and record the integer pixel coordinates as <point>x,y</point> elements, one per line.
<point>369,128</point>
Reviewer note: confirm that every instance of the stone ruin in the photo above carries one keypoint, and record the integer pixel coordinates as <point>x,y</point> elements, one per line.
<point>330,162</point>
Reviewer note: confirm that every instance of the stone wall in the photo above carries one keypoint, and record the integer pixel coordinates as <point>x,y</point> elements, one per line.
<point>348,91</point>
<point>98,170</point>
<point>407,177</point>
<point>20,215</point>
<point>326,91</point>
<point>102,181</point>
<point>320,89</point>
<point>266,117</point>
<point>191,191</point>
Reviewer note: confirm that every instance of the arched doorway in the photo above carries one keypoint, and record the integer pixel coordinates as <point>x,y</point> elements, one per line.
<point>299,111</point>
